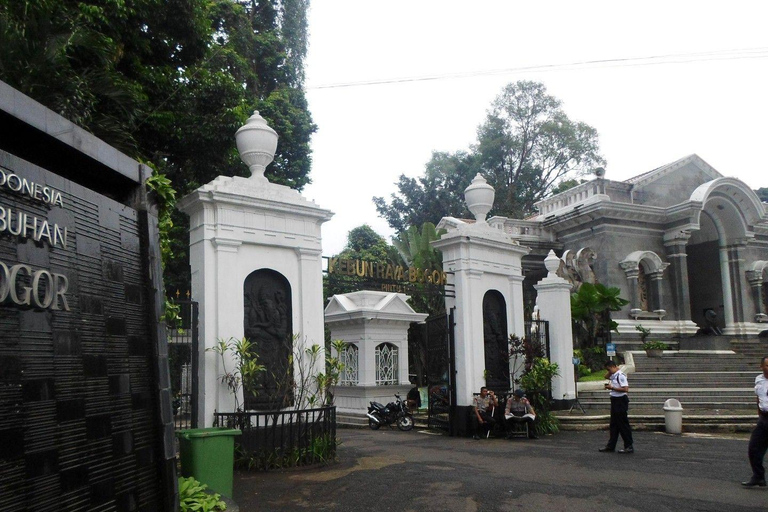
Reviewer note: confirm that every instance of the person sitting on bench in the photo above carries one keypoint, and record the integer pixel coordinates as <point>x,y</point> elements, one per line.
<point>518,410</point>
<point>483,406</point>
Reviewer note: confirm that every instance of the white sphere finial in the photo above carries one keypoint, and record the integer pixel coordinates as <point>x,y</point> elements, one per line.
<point>256,143</point>
<point>479,198</point>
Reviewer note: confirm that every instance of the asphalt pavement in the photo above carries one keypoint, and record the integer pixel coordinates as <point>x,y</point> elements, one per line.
<point>423,471</point>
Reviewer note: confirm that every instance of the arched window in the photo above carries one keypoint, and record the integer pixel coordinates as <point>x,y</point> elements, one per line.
<point>349,358</point>
<point>645,274</point>
<point>386,364</point>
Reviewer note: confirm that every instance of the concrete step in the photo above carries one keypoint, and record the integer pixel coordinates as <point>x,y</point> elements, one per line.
<point>636,392</point>
<point>753,349</point>
<point>698,421</point>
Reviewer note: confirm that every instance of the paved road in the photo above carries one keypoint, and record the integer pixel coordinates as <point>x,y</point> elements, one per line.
<point>416,471</point>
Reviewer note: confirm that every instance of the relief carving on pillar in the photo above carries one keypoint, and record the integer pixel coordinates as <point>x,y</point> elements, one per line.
<point>268,325</point>
<point>495,341</point>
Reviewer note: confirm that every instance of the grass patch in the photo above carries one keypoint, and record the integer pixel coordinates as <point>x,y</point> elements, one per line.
<point>593,377</point>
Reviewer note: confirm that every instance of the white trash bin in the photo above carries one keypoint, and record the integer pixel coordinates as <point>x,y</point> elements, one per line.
<point>673,416</point>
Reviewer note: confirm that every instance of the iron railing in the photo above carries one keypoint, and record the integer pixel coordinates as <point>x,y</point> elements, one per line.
<point>280,439</point>
<point>183,343</point>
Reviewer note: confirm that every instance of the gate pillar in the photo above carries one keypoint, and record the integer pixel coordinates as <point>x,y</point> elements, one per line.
<point>240,226</point>
<point>480,258</point>
<point>554,301</point>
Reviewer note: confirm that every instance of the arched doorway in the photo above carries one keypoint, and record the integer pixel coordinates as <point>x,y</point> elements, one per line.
<point>716,273</point>
<point>495,341</point>
<point>268,325</point>
<point>705,275</point>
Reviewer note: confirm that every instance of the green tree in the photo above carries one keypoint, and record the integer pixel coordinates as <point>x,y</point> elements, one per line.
<point>525,147</point>
<point>439,193</point>
<point>414,247</point>
<point>363,243</point>
<point>169,82</point>
<point>591,308</point>
<point>762,193</point>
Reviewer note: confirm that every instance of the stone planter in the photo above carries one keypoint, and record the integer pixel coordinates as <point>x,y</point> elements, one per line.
<point>654,352</point>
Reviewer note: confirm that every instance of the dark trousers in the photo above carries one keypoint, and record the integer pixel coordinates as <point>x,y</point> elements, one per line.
<point>620,422</point>
<point>758,445</point>
<point>510,423</point>
<point>487,418</point>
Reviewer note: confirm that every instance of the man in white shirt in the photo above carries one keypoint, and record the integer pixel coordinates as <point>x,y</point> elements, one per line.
<point>758,443</point>
<point>618,386</point>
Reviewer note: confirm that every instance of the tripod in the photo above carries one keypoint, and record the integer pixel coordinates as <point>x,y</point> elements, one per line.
<point>576,388</point>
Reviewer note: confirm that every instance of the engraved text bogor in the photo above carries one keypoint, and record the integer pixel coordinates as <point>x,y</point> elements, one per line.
<point>23,286</point>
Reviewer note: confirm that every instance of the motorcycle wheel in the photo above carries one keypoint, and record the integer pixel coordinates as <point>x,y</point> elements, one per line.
<point>405,423</point>
<point>373,424</point>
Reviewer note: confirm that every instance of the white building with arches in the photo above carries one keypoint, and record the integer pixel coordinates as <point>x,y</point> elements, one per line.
<point>687,246</point>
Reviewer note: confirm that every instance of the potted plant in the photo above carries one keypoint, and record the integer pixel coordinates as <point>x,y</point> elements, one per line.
<point>654,348</point>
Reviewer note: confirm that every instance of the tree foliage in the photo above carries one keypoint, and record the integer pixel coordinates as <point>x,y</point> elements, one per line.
<point>762,193</point>
<point>525,147</point>
<point>439,193</point>
<point>168,82</point>
<point>363,243</point>
<point>414,248</point>
<point>591,310</point>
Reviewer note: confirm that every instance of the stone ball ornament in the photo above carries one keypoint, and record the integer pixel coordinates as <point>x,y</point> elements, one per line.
<point>256,143</point>
<point>479,197</point>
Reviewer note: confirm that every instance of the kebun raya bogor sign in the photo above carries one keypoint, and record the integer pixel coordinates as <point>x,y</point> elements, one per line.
<point>85,412</point>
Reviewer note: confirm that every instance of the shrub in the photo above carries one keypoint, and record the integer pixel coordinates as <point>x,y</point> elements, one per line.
<point>538,381</point>
<point>192,497</point>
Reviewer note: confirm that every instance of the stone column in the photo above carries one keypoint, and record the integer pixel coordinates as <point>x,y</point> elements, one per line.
<point>554,300</point>
<point>675,246</point>
<point>657,290</point>
<point>735,261</point>
<point>632,272</point>
<point>755,280</point>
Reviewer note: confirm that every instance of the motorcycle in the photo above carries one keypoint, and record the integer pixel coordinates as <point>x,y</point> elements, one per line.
<point>394,412</point>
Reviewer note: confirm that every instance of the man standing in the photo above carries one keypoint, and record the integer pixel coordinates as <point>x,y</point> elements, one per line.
<point>618,386</point>
<point>482,405</point>
<point>758,443</point>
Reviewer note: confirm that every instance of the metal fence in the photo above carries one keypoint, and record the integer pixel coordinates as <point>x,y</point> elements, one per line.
<point>280,439</point>
<point>183,346</point>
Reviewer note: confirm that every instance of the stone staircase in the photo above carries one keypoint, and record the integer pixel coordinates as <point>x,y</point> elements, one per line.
<point>701,381</point>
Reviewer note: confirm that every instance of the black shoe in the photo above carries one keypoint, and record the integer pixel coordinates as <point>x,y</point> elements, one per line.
<point>628,449</point>
<point>534,436</point>
<point>606,450</point>
<point>753,483</point>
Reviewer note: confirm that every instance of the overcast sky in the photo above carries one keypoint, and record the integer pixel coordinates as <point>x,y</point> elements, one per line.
<point>659,80</point>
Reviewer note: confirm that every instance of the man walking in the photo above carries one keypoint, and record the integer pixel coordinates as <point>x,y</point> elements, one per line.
<point>758,443</point>
<point>618,386</point>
